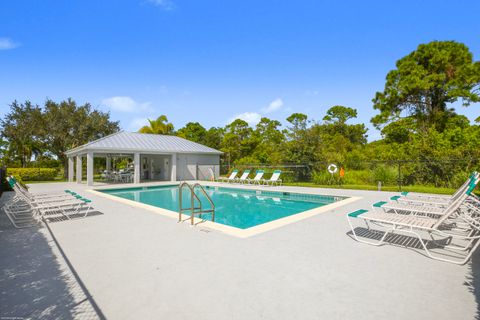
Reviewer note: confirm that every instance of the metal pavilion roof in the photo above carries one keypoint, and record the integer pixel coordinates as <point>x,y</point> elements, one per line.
<point>124,142</point>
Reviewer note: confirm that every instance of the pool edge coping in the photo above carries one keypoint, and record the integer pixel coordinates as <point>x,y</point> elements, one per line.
<point>229,230</point>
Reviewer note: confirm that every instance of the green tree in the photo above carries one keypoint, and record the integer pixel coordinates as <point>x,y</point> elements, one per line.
<point>400,131</point>
<point>340,114</point>
<point>425,82</point>
<point>269,141</point>
<point>22,128</point>
<point>213,137</point>
<point>269,131</point>
<point>299,122</point>
<point>301,144</point>
<point>68,125</point>
<point>237,141</point>
<point>3,151</point>
<point>336,119</point>
<point>193,131</point>
<point>158,126</point>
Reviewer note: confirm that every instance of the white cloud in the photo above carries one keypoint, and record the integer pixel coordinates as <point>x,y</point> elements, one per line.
<point>126,104</point>
<point>164,4</point>
<point>7,44</point>
<point>252,118</point>
<point>273,106</point>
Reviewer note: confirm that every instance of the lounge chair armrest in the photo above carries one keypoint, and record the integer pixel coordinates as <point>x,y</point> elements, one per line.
<point>379,204</point>
<point>357,213</point>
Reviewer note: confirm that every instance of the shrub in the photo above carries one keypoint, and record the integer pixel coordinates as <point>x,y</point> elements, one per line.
<point>387,175</point>
<point>323,177</point>
<point>46,163</point>
<point>458,179</point>
<point>33,174</point>
<point>358,177</point>
<point>286,176</point>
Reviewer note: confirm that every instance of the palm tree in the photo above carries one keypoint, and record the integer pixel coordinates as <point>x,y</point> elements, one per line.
<point>159,126</point>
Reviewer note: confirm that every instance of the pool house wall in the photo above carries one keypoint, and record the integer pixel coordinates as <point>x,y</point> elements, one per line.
<point>149,166</point>
<point>189,166</point>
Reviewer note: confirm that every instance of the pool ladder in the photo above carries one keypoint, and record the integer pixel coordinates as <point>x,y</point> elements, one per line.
<point>192,209</point>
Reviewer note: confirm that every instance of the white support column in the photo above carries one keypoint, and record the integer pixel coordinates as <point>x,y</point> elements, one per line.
<point>173,176</point>
<point>90,168</point>
<point>108,166</point>
<point>136,171</point>
<point>71,164</point>
<point>79,169</point>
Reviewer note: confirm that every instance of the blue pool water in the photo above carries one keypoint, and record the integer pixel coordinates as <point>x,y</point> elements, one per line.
<point>238,208</point>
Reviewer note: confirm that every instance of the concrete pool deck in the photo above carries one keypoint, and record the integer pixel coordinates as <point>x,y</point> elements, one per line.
<point>134,263</point>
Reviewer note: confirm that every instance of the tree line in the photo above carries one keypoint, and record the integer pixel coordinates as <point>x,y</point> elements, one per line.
<point>414,114</point>
<point>32,133</point>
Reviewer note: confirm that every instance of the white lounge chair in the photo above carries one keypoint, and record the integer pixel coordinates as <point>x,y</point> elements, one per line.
<point>411,197</point>
<point>243,178</point>
<point>19,188</point>
<point>23,197</point>
<point>455,224</point>
<point>274,179</point>
<point>426,206</point>
<point>257,179</point>
<point>75,207</point>
<point>232,176</point>
<point>25,210</point>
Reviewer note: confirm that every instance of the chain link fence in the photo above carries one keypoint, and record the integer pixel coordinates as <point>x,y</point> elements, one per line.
<point>440,173</point>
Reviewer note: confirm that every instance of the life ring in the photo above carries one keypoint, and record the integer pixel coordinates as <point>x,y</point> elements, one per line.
<point>332,168</point>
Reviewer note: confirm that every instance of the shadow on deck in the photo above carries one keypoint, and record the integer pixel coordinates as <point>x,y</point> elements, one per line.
<point>35,280</point>
<point>472,282</point>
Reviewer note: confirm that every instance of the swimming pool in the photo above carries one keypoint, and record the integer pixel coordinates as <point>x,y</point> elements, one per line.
<point>239,208</point>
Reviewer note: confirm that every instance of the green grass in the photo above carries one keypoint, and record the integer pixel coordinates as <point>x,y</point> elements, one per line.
<point>424,189</point>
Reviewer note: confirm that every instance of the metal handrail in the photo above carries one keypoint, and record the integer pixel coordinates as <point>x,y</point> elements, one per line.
<point>193,197</point>
<point>192,208</point>
<point>208,198</point>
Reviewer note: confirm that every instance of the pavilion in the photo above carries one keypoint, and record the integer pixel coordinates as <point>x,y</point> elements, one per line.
<point>155,157</point>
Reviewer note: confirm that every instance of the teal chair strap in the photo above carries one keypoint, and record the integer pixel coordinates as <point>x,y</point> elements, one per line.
<point>379,204</point>
<point>355,214</point>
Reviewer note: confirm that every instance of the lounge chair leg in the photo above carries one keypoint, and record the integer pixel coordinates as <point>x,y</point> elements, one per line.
<point>430,255</point>
<point>377,243</point>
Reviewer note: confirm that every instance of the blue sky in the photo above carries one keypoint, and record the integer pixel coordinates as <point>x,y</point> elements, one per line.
<point>210,61</point>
